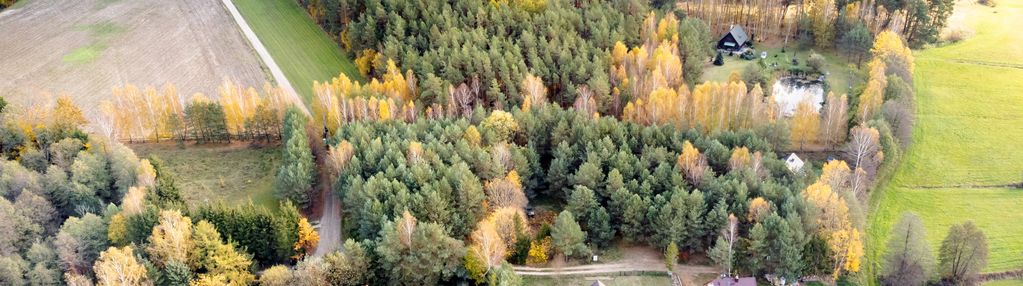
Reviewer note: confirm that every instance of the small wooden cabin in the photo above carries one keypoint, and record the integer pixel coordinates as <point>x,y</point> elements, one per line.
<point>735,40</point>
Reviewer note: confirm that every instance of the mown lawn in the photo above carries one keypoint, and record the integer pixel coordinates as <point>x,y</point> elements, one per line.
<point>582,281</point>
<point>232,174</point>
<point>970,102</point>
<point>303,51</point>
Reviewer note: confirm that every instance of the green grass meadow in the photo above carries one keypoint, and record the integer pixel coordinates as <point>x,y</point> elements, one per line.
<point>303,51</point>
<point>969,123</point>
<point>233,174</point>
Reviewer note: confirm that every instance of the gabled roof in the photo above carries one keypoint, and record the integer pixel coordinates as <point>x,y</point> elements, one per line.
<point>739,34</point>
<point>793,162</point>
<point>597,283</point>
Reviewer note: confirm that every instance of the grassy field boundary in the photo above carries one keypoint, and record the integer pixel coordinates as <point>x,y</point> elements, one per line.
<point>268,61</point>
<point>302,50</point>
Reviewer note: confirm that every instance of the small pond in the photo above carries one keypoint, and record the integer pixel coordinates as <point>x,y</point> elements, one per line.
<point>790,91</point>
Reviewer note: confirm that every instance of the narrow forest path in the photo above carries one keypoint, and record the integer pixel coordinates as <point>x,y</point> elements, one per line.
<point>328,204</point>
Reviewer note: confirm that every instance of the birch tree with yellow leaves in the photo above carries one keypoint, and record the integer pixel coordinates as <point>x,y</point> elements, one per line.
<point>834,224</point>
<point>118,267</point>
<point>873,95</point>
<point>344,100</point>
<point>534,93</point>
<point>805,124</point>
<point>740,159</point>
<point>833,125</point>
<point>149,114</point>
<point>488,245</point>
<point>171,238</point>
<point>692,163</point>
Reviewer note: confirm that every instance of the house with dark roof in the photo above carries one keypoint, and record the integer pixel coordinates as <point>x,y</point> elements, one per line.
<point>735,40</point>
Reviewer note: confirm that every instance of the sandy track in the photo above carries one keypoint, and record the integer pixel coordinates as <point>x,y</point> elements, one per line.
<point>635,259</point>
<point>328,202</point>
<point>194,44</point>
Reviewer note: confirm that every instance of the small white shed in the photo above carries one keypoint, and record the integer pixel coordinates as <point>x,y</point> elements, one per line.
<point>795,164</point>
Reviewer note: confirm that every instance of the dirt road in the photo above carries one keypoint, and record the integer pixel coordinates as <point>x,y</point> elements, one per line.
<point>330,221</point>
<point>635,259</point>
<point>268,61</point>
<point>328,206</point>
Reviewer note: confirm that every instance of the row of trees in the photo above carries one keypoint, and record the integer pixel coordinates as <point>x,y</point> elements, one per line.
<point>149,114</point>
<point>295,175</point>
<point>343,100</point>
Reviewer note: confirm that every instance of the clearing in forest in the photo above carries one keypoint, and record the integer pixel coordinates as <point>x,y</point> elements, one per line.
<point>233,173</point>
<point>968,121</point>
<point>842,74</point>
<point>302,50</point>
<point>85,47</point>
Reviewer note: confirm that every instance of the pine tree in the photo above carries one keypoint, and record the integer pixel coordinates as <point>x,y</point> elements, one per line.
<point>568,235</point>
<point>296,172</point>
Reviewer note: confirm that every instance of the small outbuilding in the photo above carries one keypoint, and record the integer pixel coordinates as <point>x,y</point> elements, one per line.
<point>735,40</point>
<point>733,281</point>
<point>597,283</point>
<point>794,163</point>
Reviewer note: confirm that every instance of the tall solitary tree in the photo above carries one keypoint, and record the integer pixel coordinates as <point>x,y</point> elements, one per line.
<point>909,260</point>
<point>963,254</point>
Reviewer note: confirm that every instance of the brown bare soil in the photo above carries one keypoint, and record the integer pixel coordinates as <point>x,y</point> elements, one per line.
<point>85,47</point>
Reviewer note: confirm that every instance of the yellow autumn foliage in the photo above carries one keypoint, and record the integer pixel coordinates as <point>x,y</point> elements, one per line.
<point>307,238</point>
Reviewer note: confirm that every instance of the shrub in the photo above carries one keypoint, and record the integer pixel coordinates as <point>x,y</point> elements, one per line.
<point>815,62</point>
<point>959,34</point>
<point>539,251</point>
<point>755,74</point>
<point>719,60</point>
